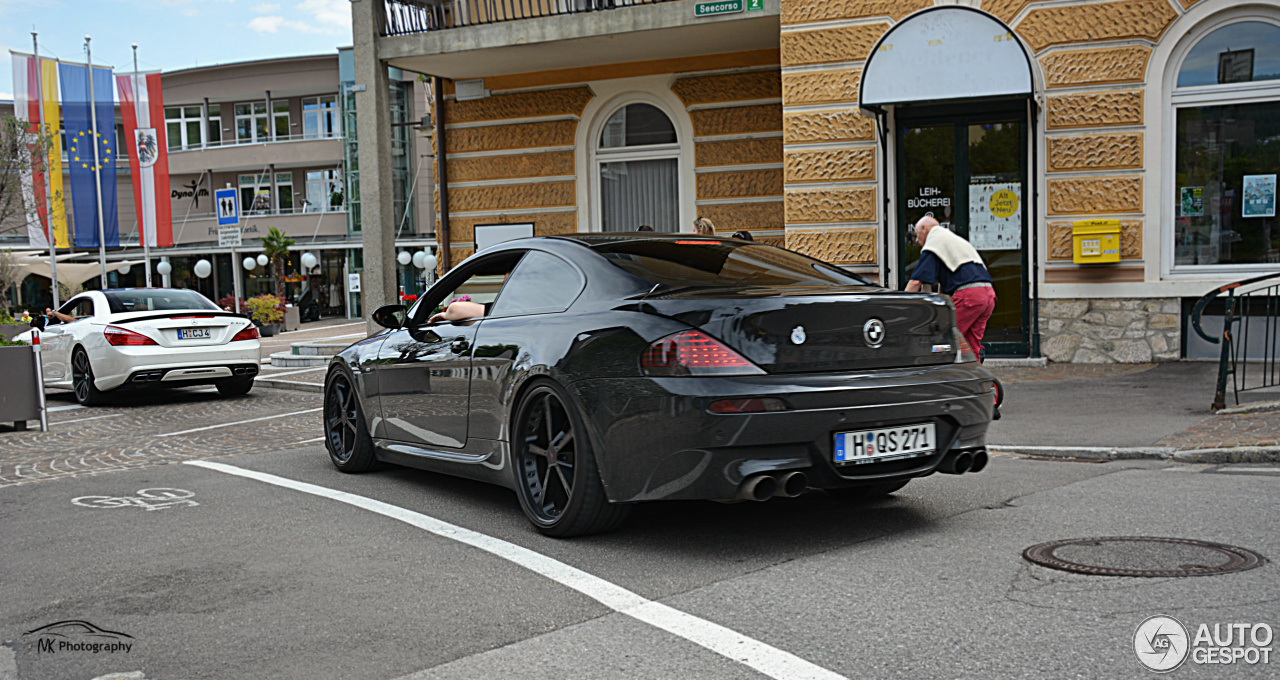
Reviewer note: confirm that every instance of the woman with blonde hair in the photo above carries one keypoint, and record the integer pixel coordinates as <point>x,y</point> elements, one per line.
<point>704,227</point>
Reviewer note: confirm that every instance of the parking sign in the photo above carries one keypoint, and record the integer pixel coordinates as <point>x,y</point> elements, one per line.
<point>228,204</point>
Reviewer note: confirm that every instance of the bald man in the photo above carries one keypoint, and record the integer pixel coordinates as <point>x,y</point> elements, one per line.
<point>952,262</point>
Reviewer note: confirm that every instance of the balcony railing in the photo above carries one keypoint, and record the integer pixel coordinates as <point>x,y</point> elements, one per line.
<point>406,17</point>
<point>233,141</point>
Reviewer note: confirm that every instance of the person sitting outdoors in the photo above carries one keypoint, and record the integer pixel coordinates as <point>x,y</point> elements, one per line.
<point>703,226</point>
<point>743,235</point>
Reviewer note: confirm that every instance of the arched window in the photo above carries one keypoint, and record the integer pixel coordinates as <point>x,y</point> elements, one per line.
<point>638,163</point>
<point>1227,106</point>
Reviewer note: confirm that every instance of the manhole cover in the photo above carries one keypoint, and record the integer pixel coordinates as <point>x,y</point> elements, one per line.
<point>1142,556</point>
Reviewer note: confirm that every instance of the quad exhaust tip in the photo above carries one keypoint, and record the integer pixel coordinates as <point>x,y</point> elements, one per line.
<point>762,487</point>
<point>791,484</point>
<point>962,461</point>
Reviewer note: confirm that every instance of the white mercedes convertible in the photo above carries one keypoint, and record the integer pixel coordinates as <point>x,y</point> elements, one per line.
<point>102,341</point>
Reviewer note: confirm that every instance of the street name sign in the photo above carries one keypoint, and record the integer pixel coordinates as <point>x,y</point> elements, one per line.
<point>707,9</point>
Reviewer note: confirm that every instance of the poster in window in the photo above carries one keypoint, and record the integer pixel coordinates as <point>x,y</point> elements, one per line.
<point>1192,204</point>
<point>1259,196</point>
<point>995,215</point>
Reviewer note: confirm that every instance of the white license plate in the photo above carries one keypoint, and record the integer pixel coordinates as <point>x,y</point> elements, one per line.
<point>904,441</point>
<point>193,334</point>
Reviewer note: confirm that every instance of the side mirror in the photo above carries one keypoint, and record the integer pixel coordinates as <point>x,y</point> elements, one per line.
<point>390,316</point>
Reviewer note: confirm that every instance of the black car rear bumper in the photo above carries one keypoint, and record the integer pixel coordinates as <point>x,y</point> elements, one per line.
<point>655,439</point>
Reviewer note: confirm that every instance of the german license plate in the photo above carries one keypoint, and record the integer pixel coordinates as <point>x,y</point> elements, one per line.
<point>193,334</point>
<point>903,441</point>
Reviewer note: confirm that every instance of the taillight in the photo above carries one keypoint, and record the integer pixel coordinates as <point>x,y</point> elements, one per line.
<point>748,405</point>
<point>249,332</point>
<point>965,354</point>
<point>694,353</point>
<point>123,337</point>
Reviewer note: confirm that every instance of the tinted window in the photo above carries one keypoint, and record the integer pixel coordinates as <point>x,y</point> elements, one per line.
<point>1240,53</point>
<point>156,300</point>
<point>694,262</point>
<point>541,283</point>
<point>79,307</point>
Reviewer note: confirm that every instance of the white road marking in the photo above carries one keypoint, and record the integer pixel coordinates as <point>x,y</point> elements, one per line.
<point>81,420</point>
<point>239,422</point>
<point>147,499</point>
<point>308,441</point>
<point>69,407</point>
<point>305,370</point>
<point>726,642</point>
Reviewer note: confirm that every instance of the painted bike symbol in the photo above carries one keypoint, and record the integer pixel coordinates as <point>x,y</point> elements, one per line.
<point>148,499</point>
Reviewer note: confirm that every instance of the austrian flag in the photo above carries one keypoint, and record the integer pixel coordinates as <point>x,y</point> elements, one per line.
<point>142,106</point>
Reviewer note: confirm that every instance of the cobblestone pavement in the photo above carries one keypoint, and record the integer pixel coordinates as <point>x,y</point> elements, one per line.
<point>142,429</point>
<point>1229,431</point>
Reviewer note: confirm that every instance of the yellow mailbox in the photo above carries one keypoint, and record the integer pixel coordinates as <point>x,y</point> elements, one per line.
<point>1096,241</point>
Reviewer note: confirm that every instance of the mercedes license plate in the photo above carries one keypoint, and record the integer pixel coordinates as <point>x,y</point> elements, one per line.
<point>193,334</point>
<point>903,441</point>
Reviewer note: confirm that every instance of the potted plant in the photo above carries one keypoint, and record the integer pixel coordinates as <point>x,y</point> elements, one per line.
<point>265,311</point>
<point>20,399</point>
<point>10,326</point>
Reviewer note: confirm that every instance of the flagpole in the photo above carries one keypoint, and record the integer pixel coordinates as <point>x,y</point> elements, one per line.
<point>97,169</point>
<point>53,245</point>
<point>146,246</point>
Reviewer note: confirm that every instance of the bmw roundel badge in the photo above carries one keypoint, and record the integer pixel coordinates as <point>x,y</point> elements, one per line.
<point>873,332</point>
<point>797,335</point>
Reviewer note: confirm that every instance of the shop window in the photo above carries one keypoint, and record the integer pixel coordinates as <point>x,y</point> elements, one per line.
<point>1227,111</point>
<point>638,166</point>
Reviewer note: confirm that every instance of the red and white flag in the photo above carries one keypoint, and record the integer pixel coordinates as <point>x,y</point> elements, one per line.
<point>142,106</point>
<point>26,107</point>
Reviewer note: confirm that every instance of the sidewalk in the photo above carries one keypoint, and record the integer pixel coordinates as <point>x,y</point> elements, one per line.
<point>1130,411</point>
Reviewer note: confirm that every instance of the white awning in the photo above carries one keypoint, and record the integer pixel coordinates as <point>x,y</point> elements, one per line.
<point>945,53</point>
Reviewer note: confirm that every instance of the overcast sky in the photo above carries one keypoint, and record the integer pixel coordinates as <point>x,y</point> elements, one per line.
<point>171,34</point>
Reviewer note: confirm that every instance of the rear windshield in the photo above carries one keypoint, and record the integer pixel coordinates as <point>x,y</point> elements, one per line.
<point>156,300</point>
<point>694,262</point>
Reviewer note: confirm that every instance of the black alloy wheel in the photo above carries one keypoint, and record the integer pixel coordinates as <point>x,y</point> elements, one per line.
<point>556,475</point>
<point>82,380</point>
<point>345,434</point>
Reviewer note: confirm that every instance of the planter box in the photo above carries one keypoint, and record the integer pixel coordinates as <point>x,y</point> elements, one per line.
<point>8,330</point>
<point>292,318</point>
<point>268,329</point>
<point>20,398</point>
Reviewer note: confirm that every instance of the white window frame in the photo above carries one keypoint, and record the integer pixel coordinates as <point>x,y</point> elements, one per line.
<point>252,117</point>
<point>599,156</point>
<point>331,183</point>
<point>182,120</point>
<point>322,113</point>
<point>1191,97</point>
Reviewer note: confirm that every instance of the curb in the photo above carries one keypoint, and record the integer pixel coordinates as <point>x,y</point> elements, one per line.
<point>1241,454</point>
<point>294,385</point>
<point>1257,406</point>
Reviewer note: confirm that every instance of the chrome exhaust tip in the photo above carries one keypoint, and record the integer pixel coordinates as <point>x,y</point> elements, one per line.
<point>758,488</point>
<point>979,461</point>
<point>956,463</point>
<point>791,484</point>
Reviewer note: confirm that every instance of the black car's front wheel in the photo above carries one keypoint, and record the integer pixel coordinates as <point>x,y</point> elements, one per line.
<point>345,434</point>
<point>555,470</point>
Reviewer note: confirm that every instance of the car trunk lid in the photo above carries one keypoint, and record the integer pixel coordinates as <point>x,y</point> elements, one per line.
<point>813,329</point>
<point>183,328</point>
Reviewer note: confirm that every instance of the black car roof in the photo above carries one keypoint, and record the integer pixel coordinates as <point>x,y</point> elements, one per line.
<point>596,239</point>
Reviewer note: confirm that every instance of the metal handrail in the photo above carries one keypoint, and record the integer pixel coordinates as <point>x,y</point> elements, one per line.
<point>1237,312</point>
<point>407,17</point>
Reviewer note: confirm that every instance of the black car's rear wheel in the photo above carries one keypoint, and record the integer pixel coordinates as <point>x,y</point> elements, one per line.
<point>345,433</point>
<point>87,393</point>
<point>555,470</point>
<point>869,492</point>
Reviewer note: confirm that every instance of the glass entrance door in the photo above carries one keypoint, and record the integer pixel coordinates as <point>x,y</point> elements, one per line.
<point>970,172</point>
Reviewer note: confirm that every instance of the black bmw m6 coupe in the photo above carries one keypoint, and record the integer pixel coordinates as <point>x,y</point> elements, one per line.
<point>602,370</point>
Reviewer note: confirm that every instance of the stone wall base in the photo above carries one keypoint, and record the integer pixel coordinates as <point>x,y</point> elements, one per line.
<point>1114,330</point>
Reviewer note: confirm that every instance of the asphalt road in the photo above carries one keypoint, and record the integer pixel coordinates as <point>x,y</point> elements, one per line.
<point>243,578</point>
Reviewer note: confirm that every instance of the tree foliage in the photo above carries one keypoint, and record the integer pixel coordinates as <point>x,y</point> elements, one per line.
<point>275,245</point>
<point>23,149</point>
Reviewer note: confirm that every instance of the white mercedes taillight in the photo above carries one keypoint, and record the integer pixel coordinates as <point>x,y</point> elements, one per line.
<point>693,352</point>
<point>123,337</point>
<point>249,332</point>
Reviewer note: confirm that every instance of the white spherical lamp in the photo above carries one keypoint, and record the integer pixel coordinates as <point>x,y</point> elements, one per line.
<point>420,259</point>
<point>124,268</point>
<point>164,268</point>
<point>404,257</point>
<point>249,263</point>
<point>308,261</point>
<point>262,260</point>
<point>203,269</point>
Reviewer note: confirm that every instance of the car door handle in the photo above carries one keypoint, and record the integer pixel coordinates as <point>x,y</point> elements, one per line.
<point>459,346</point>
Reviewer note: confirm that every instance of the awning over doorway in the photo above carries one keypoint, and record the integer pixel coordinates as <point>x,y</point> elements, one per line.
<point>945,53</point>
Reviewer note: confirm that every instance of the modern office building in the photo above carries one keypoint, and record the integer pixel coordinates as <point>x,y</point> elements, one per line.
<point>829,126</point>
<point>275,130</point>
